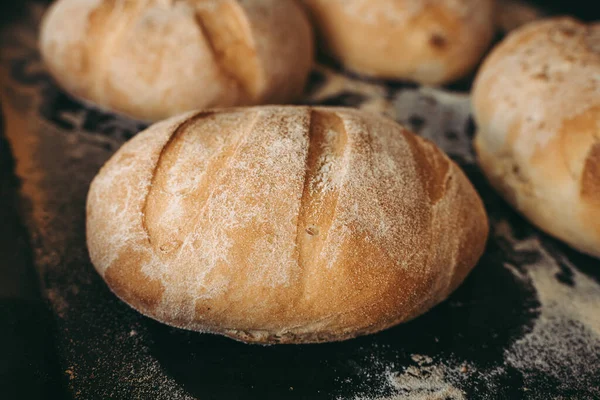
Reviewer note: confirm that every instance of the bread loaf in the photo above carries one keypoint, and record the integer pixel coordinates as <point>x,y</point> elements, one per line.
<point>283,224</point>
<point>427,41</point>
<point>537,105</point>
<point>152,59</point>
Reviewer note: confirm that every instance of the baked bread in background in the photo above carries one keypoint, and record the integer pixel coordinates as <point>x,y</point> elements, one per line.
<point>151,59</point>
<point>283,224</point>
<point>426,41</point>
<point>536,102</point>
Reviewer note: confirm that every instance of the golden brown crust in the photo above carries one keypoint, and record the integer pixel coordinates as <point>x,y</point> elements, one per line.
<point>590,178</point>
<point>537,103</point>
<point>428,41</point>
<point>146,293</point>
<point>153,59</point>
<point>590,190</point>
<point>283,224</point>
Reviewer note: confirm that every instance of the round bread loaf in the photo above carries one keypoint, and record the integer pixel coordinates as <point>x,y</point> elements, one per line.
<point>283,224</point>
<point>537,104</point>
<point>152,59</point>
<point>427,41</point>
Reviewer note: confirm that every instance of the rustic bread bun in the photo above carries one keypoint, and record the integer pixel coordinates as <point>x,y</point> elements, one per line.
<point>537,104</point>
<point>427,41</point>
<point>152,59</point>
<point>283,224</point>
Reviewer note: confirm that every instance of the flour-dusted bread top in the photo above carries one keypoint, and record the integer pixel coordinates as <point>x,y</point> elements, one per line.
<point>283,224</point>
<point>537,104</point>
<point>428,41</point>
<point>152,59</point>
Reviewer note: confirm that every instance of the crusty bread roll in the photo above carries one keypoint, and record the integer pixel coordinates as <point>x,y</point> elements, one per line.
<point>283,224</point>
<point>152,59</point>
<point>427,41</point>
<point>537,104</point>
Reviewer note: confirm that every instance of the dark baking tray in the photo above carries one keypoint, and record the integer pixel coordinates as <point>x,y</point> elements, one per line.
<point>60,342</point>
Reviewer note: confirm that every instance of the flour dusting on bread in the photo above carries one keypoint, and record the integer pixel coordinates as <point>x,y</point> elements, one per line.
<point>312,214</point>
<point>546,73</point>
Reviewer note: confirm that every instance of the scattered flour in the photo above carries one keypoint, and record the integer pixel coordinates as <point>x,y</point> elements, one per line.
<point>425,380</point>
<point>424,383</point>
<point>568,329</point>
